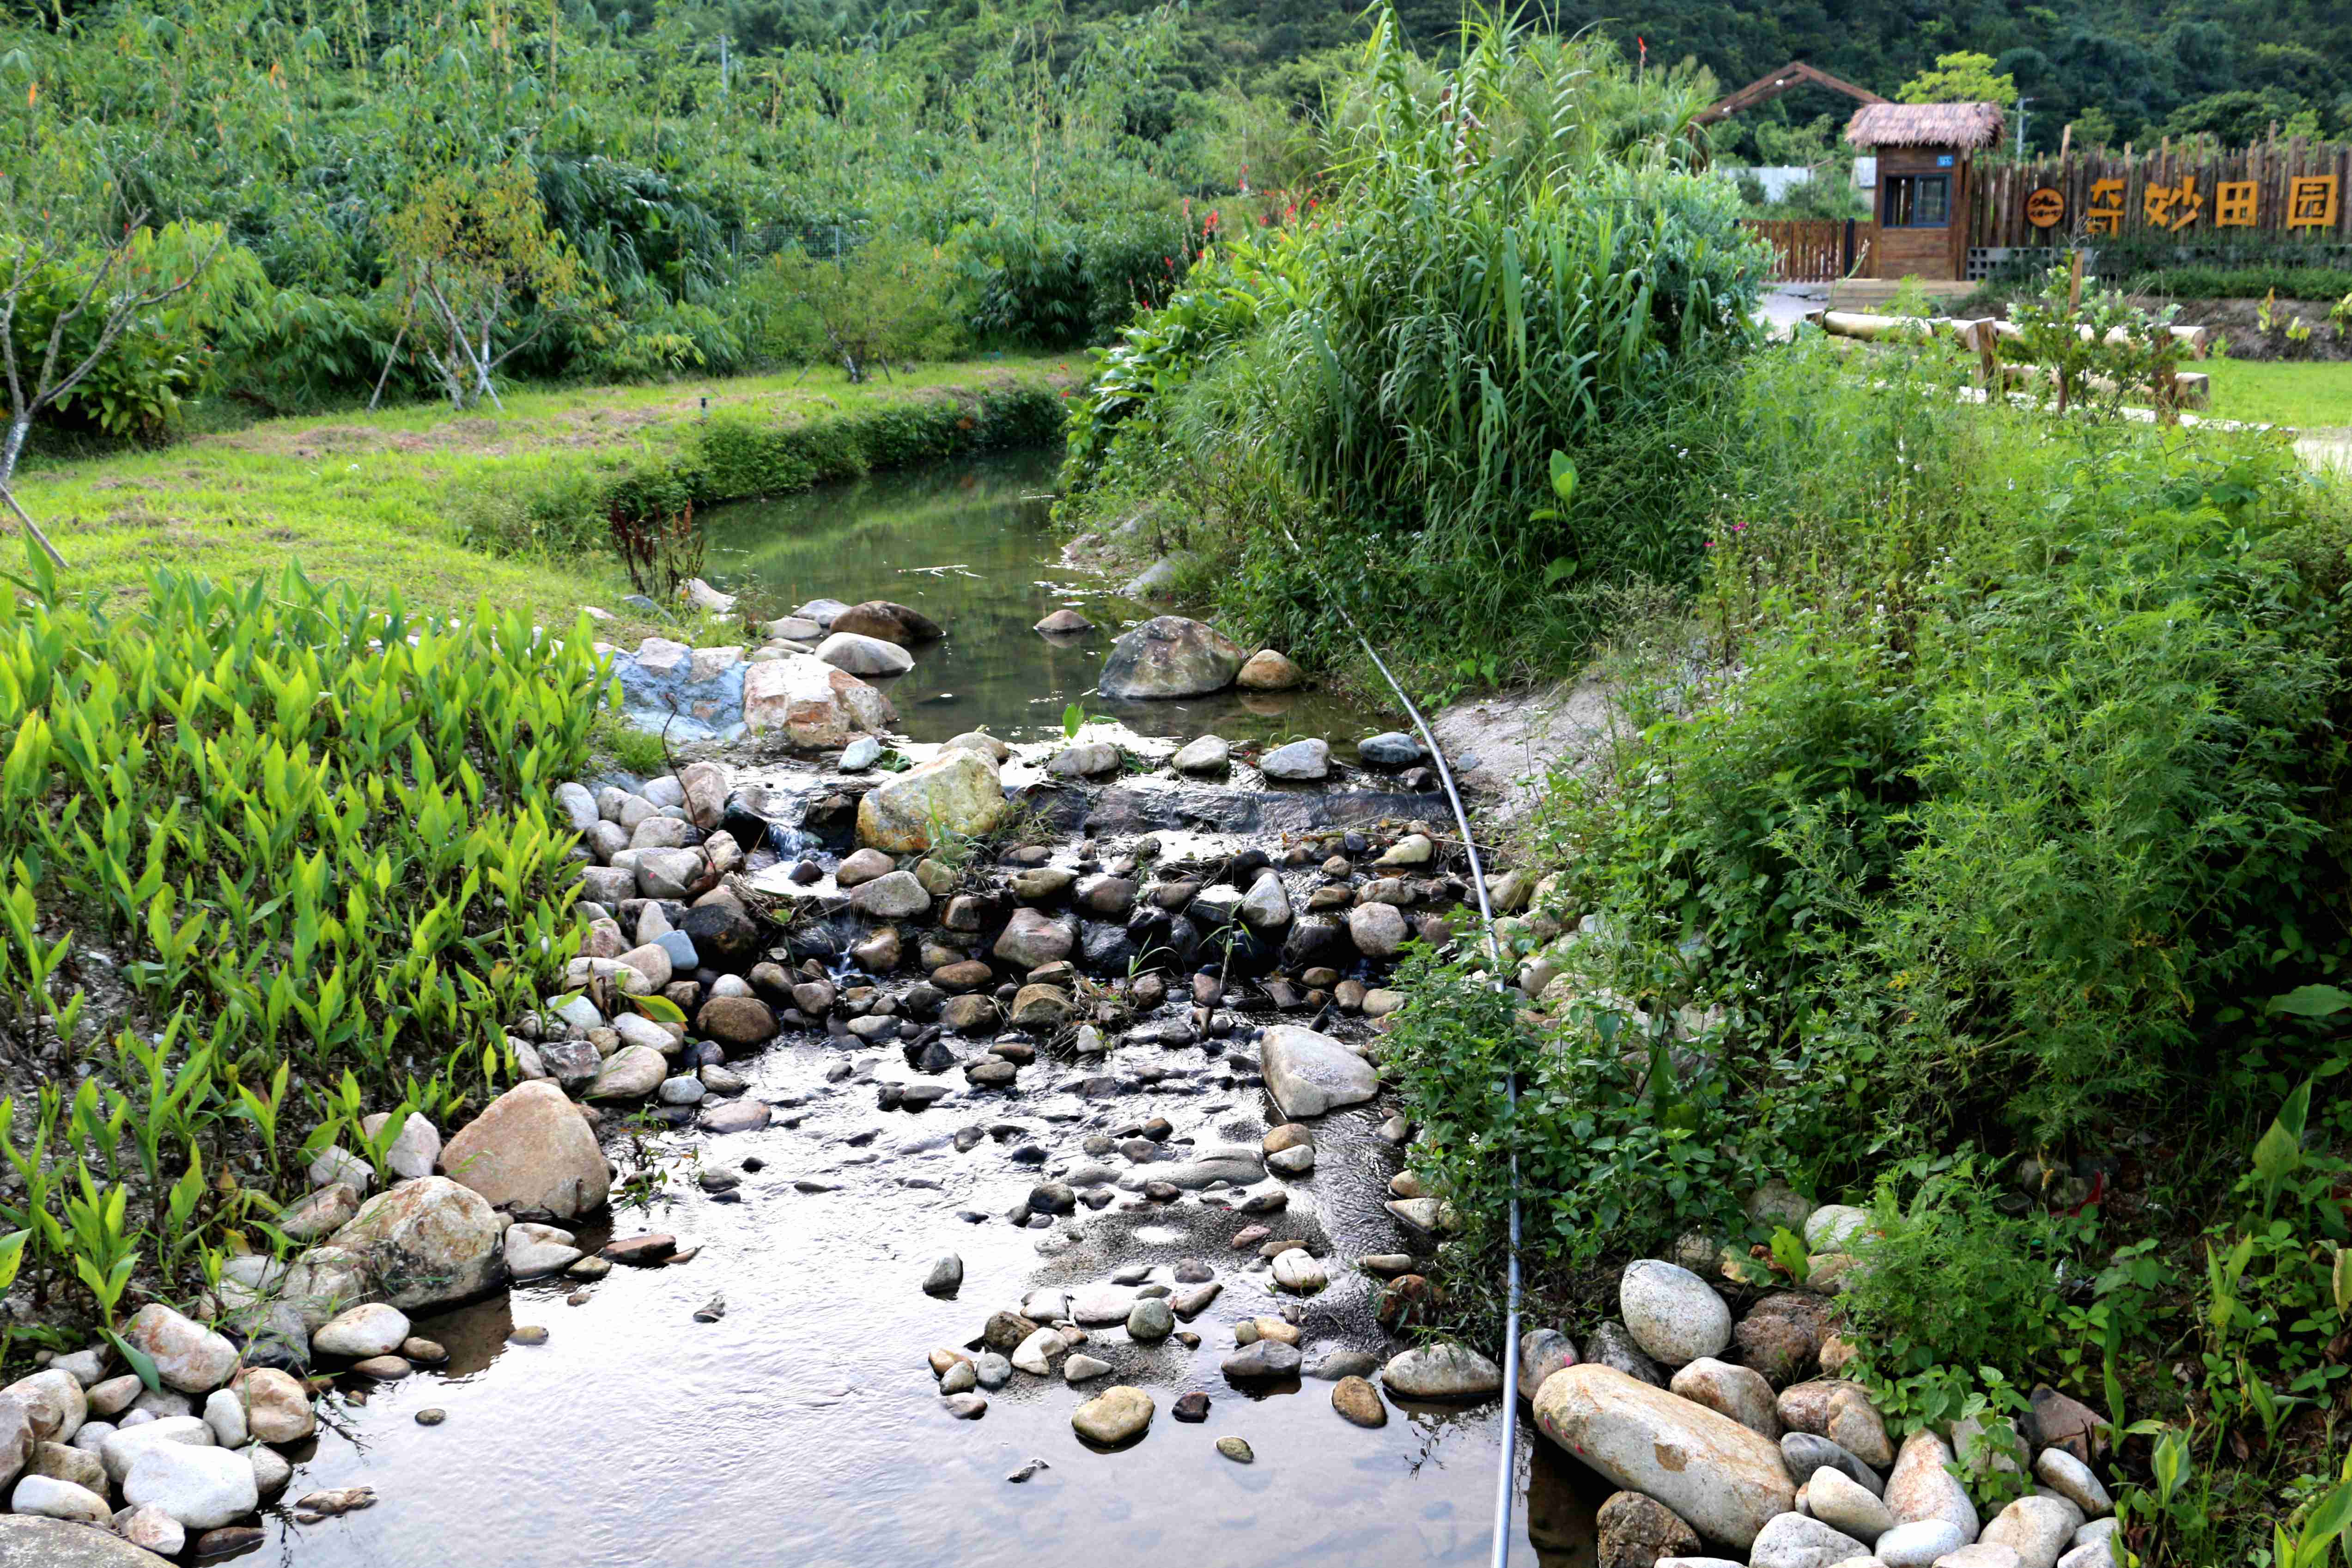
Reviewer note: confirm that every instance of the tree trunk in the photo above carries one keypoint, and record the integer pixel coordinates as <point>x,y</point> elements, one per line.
<point>11,449</point>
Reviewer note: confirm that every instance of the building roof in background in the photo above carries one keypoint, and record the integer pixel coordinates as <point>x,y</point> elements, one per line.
<point>1924,125</point>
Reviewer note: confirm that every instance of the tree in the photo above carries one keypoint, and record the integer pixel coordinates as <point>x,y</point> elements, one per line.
<point>81,286</point>
<point>2094,127</point>
<point>1962,76</point>
<point>473,250</point>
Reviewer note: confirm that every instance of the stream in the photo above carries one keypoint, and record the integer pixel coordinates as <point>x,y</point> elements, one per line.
<point>804,1425</point>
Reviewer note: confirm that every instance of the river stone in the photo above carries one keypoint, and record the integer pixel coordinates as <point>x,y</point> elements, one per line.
<point>1724,1480</point>
<point>958,790</point>
<point>1792,1540</point>
<point>429,1241</point>
<point>276,1408</point>
<point>864,655</point>
<point>533,1251</point>
<point>55,1401</point>
<point>861,867</point>
<point>1262,1361</point>
<point>1113,1416</point>
<point>945,1278</point>
<point>1919,1543</point>
<point>894,896</point>
<point>1300,1272</point>
<point>1309,1073</point>
<point>188,1356</point>
<point>630,1073</point>
<point>61,1462</point>
<point>323,1211</point>
<point>28,1541</point>
<point>202,1488</point>
<point>1170,655</point>
<point>123,1450</point>
<point>1672,1314</point>
<point>1392,750</point>
<point>530,1150</point>
<point>740,1021</point>
<point>1238,1166</point>
<point>1980,1554</point>
<point>816,706</point>
<point>1739,1392</point>
<point>1378,930</point>
<point>1922,1487</point>
<point>1207,754</point>
<point>1063,622</point>
<point>1268,670</point>
<point>1805,1453</point>
<point>1303,762</point>
<point>2073,1480</point>
<point>1092,760</point>
<point>1837,1499</point>
<point>1612,1346</point>
<point>1151,1320</point>
<point>1831,1226</point>
<point>1040,1353</point>
<point>1542,1352</point>
<point>2096,1553</point>
<point>1442,1371</point>
<point>50,1498</point>
<point>2037,1528</point>
<point>415,1150</point>
<point>1033,939</point>
<point>1636,1531</point>
<point>225,1415</point>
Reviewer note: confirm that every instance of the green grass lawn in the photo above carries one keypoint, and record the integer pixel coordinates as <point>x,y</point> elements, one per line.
<point>369,499</point>
<point>2306,394</point>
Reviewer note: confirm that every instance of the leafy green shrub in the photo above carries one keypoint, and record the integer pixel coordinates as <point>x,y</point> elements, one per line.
<point>892,299</point>
<point>2287,281</point>
<point>1946,1289</point>
<point>1625,1134</point>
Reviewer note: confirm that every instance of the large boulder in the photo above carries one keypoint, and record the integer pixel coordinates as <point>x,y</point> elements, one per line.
<point>188,1356</point>
<point>55,1401</point>
<point>1168,656</point>
<point>1922,1487</point>
<point>1724,1480</point>
<point>27,1540</point>
<point>814,705</point>
<point>957,792</point>
<point>889,621</point>
<point>865,656</point>
<point>427,1242</point>
<point>1308,1074</point>
<point>1672,1314</point>
<point>529,1150</point>
<point>202,1489</point>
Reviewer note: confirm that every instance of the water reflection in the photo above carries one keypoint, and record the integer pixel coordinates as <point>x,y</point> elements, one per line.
<point>971,544</point>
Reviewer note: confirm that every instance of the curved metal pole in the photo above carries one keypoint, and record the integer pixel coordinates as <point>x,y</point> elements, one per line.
<point>1507,1478</point>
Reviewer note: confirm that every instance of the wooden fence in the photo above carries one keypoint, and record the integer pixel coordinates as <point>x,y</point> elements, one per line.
<point>2161,192</point>
<point>1807,251</point>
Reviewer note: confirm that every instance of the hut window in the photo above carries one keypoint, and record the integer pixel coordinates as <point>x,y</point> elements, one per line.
<point>1917,201</point>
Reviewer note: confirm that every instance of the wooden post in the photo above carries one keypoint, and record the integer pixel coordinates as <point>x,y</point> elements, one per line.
<point>2066,142</point>
<point>2075,282</point>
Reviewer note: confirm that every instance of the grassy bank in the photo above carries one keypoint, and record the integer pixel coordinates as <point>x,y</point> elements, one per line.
<point>450,508</point>
<point>2309,394</point>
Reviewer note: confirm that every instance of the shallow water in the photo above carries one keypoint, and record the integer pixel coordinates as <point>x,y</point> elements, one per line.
<point>970,545</point>
<point>803,1427</point>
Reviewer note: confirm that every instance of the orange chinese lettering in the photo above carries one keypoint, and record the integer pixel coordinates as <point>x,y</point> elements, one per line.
<point>2235,204</point>
<point>2172,207</point>
<point>2106,213</point>
<point>2311,201</point>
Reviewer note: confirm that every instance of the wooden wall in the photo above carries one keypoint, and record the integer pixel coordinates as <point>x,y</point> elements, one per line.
<point>1804,250</point>
<point>1997,215</point>
<point>1928,253</point>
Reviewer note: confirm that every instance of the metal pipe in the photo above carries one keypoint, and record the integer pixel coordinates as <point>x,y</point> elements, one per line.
<point>1507,1479</point>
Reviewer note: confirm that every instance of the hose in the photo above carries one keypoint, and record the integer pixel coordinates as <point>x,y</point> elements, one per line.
<point>1507,1479</point>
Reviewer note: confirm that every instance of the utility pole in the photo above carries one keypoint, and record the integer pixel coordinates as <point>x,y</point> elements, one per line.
<point>2021,118</point>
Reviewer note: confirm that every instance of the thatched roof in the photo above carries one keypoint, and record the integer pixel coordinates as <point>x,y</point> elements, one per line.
<point>1924,125</point>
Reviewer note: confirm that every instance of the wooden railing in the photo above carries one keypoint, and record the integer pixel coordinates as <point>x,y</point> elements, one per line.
<point>1807,251</point>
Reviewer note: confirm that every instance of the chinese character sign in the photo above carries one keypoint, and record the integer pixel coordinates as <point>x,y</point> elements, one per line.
<point>2171,207</point>
<point>2236,204</point>
<point>2106,213</point>
<point>2311,202</point>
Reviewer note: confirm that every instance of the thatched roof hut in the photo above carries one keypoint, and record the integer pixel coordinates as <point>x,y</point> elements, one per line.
<point>1970,126</point>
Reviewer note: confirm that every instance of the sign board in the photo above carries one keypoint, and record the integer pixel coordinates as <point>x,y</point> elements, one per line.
<point>2046,208</point>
